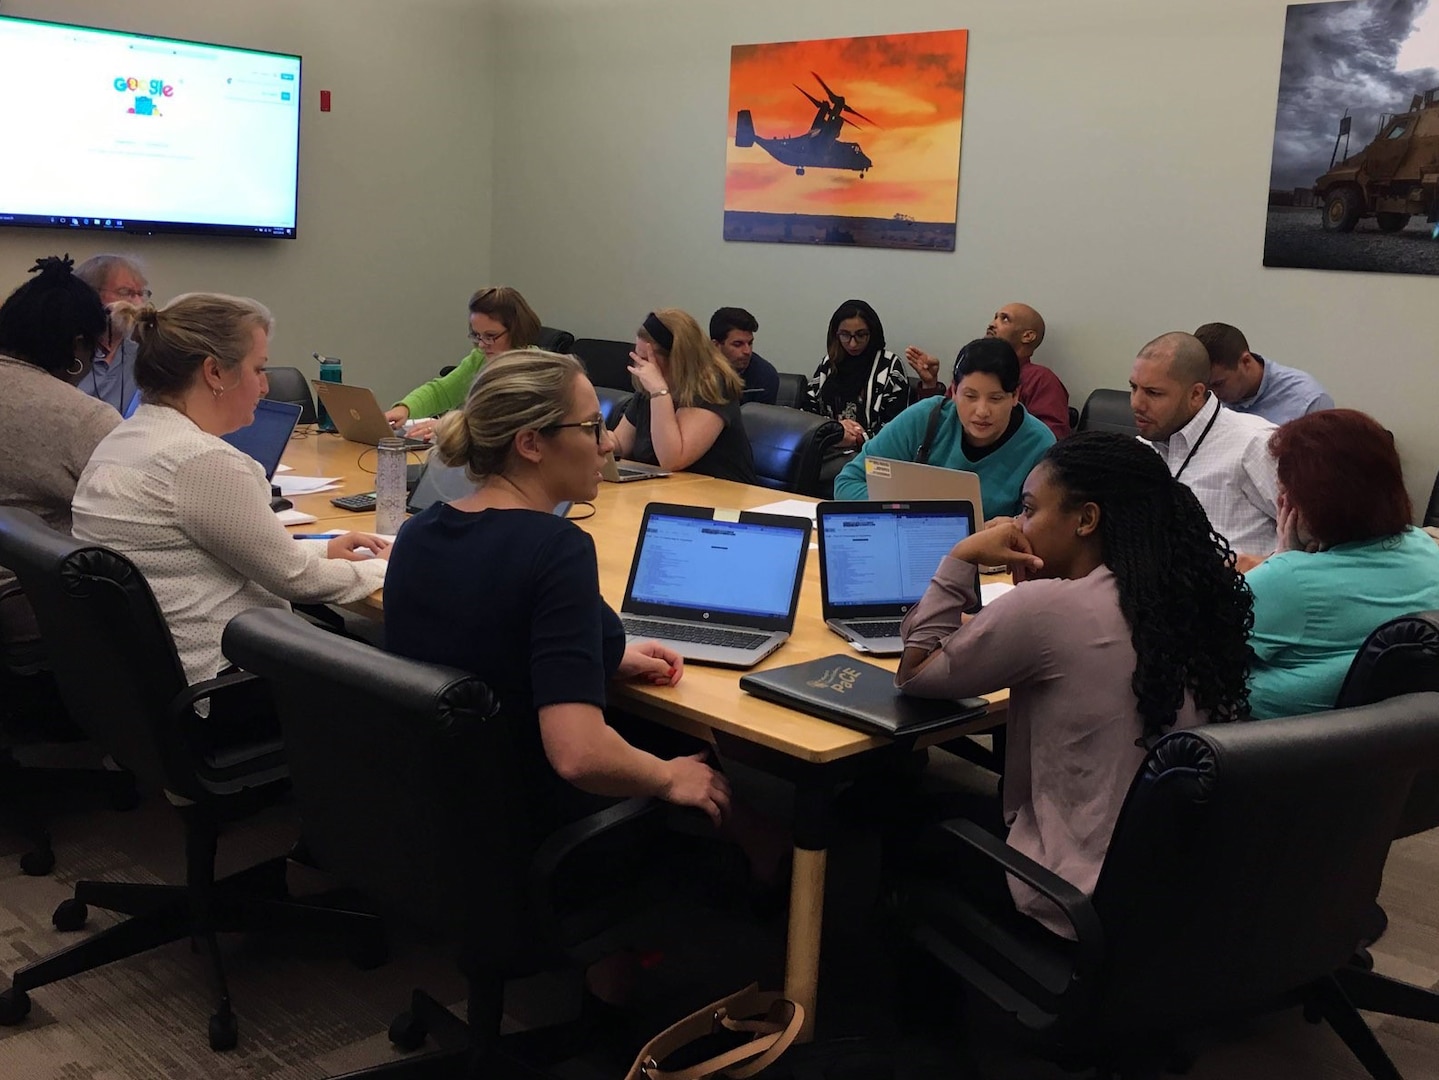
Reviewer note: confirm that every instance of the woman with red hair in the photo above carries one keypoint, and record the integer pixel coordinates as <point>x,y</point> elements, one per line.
<point>1348,559</point>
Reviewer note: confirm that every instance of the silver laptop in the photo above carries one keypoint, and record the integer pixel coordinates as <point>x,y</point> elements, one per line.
<point>440,483</point>
<point>717,586</point>
<point>616,473</point>
<point>891,480</point>
<point>357,415</point>
<point>875,562</point>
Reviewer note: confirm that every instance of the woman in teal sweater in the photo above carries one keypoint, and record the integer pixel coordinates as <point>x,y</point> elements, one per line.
<point>500,320</point>
<point>982,428</point>
<point>1348,559</point>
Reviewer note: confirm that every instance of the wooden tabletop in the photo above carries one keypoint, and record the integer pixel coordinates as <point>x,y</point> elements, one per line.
<point>707,697</point>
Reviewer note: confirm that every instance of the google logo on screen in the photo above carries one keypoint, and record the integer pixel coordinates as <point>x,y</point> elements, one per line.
<point>155,87</point>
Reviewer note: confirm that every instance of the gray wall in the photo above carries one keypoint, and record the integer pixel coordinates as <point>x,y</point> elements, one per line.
<point>395,208</point>
<point>1115,171</point>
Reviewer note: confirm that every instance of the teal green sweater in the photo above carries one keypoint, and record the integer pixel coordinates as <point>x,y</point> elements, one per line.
<point>446,392</point>
<point>1001,474</point>
<point>1313,611</point>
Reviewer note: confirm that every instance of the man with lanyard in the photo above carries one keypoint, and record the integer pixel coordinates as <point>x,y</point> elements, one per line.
<point>1223,456</point>
<point>112,375</point>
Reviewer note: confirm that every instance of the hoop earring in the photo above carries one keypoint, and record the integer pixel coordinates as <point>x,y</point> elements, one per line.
<point>76,367</point>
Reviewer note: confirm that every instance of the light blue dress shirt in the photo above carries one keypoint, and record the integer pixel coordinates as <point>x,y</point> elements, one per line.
<point>1284,394</point>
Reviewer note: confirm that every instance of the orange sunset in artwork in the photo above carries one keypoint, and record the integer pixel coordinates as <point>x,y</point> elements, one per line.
<point>846,140</point>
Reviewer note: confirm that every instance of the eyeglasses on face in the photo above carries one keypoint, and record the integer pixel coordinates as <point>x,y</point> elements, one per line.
<point>486,339</point>
<point>594,427</point>
<point>134,294</point>
<point>857,336</point>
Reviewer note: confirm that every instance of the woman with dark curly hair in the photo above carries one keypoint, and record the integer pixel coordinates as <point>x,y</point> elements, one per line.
<point>1347,559</point>
<point>1138,624</point>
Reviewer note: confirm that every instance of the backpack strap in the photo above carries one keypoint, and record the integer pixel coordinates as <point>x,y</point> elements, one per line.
<point>921,457</point>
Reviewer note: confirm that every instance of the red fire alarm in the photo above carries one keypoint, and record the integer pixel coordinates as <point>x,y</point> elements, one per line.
<point>324,101</point>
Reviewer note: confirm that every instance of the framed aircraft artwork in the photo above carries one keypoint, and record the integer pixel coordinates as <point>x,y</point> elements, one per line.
<point>846,141</point>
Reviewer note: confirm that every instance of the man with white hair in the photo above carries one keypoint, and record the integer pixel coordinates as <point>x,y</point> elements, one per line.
<point>116,278</point>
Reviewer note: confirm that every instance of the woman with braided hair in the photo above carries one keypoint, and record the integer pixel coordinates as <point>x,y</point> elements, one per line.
<point>1132,621</point>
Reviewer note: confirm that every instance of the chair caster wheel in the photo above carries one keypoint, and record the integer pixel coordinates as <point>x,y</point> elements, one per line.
<point>1362,959</point>
<point>224,1031</point>
<point>37,863</point>
<point>408,1031</point>
<point>70,915</point>
<point>368,955</point>
<point>14,1006</point>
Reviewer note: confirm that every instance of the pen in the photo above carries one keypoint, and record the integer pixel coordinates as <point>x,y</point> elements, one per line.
<point>313,536</point>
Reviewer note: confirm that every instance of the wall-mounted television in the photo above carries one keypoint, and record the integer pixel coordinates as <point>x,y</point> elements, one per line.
<point>131,133</point>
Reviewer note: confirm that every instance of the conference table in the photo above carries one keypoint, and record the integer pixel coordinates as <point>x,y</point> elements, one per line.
<point>817,756</point>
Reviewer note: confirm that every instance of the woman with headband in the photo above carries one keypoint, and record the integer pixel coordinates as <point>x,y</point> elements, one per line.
<point>686,412</point>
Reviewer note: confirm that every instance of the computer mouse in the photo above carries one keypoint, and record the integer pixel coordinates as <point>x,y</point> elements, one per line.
<point>279,502</point>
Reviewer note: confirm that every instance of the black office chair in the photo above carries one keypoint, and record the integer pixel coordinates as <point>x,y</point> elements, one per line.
<point>557,341</point>
<point>1399,657</point>
<point>411,785</point>
<point>1431,512</point>
<point>1107,410</point>
<point>291,385</point>
<point>792,389</point>
<point>612,404</point>
<point>606,362</point>
<point>1073,418</point>
<point>35,732</point>
<point>122,682</point>
<point>789,445</point>
<point>1237,880</point>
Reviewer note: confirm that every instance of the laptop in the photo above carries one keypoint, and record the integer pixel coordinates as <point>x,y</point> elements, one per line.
<point>616,473</point>
<point>357,415</point>
<point>891,480</point>
<point>266,437</point>
<point>717,586</point>
<point>875,562</point>
<point>445,483</point>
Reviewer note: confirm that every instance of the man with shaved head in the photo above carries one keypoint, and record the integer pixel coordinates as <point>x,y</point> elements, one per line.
<point>1040,391</point>
<point>1222,455</point>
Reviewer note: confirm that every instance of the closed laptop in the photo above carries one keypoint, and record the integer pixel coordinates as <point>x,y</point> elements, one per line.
<point>717,586</point>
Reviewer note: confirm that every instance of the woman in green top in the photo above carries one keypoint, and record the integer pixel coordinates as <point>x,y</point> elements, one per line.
<point>500,320</point>
<point>1348,560</point>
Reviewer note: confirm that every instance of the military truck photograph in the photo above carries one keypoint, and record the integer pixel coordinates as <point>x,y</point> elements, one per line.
<point>1354,178</point>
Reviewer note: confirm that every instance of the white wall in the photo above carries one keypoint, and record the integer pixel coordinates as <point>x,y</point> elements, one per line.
<point>1115,171</point>
<point>394,214</point>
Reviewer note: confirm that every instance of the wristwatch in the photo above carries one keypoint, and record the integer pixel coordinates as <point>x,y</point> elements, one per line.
<point>660,393</point>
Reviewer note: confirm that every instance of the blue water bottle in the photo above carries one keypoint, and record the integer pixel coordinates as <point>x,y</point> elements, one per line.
<point>329,372</point>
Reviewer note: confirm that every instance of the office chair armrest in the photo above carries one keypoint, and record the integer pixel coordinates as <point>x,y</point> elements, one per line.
<point>564,842</point>
<point>1077,909</point>
<point>183,705</point>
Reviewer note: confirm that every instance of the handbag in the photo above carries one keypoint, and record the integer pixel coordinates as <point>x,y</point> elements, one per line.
<point>716,1035</point>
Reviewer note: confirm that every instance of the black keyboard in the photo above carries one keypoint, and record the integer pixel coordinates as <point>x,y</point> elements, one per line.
<point>697,635</point>
<point>358,503</point>
<point>878,628</point>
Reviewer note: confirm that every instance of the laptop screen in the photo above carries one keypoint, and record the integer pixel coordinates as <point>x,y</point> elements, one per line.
<point>266,437</point>
<point>740,568</point>
<point>878,556</point>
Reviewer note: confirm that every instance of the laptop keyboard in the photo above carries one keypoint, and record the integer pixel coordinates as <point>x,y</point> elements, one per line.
<point>877,628</point>
<point>697,635</point>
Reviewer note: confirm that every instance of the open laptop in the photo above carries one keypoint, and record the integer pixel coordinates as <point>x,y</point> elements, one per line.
<point>616,473</point>
<point>266,437</point>
<point>875,562</point>
<point>891,480</point>
<point>357,415</point>
<point>440,483</point>
<point>717,586</point>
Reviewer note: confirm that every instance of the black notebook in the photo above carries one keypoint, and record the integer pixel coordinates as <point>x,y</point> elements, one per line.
<point>858,695</point>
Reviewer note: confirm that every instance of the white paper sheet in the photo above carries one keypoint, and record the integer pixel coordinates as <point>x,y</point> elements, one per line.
<point>991,591</point>
<point>291,486</point>
<point>294,517</point>
<point>792,507</point>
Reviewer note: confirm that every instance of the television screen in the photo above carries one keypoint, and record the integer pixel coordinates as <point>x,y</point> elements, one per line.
<point>131,133</point>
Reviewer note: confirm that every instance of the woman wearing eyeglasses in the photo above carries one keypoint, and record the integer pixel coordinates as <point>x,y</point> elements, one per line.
<point>532,623</point>
<point>686,413</point>
<point>859,383</point>
<point>500,320</point>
